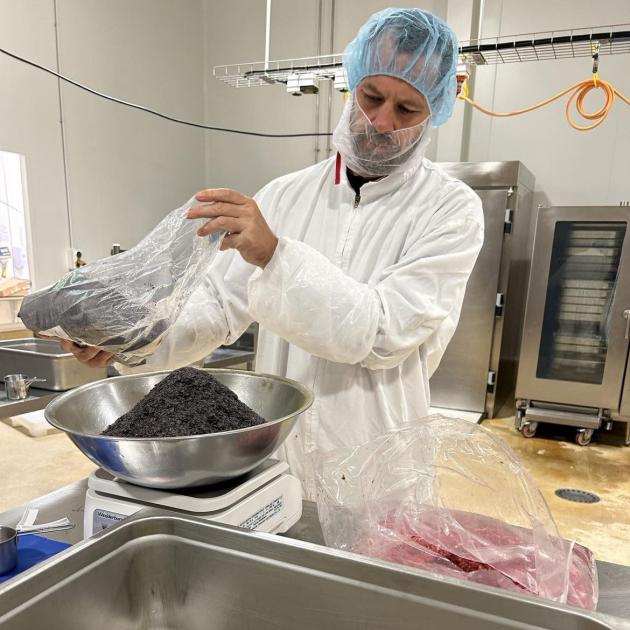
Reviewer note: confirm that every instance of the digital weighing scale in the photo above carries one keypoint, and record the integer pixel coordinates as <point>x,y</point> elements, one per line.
<point>268,499</point>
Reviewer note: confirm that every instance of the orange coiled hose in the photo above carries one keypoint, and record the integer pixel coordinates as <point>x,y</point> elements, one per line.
<point>578,91</point>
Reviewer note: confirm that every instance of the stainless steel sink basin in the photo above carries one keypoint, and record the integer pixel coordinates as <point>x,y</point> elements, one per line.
<point>45,358</point>
<point>42,346</point>
<point>157,571</point>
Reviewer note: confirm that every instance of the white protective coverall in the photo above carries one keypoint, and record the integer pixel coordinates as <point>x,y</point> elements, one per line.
<point>358,302</point>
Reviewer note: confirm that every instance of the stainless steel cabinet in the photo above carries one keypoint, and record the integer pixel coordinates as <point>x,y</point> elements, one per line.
<point>575,337</point>
<point>478,370</point>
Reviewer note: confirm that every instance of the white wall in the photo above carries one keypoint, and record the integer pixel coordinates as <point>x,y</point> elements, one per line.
<point>571,167</point>
<point>125,169</point>
<point>29,124</point>
<point>234,33</point>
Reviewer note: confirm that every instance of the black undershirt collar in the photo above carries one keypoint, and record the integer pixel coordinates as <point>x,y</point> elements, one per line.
<point>356,181</point>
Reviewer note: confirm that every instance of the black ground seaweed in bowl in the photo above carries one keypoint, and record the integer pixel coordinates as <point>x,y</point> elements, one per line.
<point>187,402</point>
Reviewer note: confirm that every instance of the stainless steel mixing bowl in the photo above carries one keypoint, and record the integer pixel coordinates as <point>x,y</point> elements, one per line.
<point>178,462</point>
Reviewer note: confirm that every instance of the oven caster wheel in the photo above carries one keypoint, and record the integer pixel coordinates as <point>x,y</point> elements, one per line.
<point>584,436</point>
<point>528,429</point>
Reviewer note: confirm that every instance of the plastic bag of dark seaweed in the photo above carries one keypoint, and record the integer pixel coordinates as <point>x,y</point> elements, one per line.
<point>124,304</point>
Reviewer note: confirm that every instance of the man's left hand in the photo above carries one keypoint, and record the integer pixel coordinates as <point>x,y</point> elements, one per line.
<point>239,216</point>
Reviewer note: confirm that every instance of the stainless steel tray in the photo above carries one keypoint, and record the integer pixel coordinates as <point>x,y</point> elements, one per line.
<point>159,571</point>
<point>46,358</point>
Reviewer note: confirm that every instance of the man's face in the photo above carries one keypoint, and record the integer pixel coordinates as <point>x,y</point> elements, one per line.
<point>391,104</point>
<point>386,120</point>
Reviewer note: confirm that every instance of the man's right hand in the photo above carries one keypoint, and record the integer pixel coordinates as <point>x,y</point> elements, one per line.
<point>88,355</point>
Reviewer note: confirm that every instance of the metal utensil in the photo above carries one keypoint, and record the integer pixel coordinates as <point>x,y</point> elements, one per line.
<point>178,462</point>
<point>16,385</point>
<point>9,536</point>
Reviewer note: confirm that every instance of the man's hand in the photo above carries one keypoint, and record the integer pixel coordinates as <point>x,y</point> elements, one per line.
<point>240,217</point>
<point>88,355</point>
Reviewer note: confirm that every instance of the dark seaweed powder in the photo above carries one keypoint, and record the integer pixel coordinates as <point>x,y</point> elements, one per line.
<point>187,402</point>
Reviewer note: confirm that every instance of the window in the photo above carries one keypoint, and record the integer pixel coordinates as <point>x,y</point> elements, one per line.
<point>14,226</point>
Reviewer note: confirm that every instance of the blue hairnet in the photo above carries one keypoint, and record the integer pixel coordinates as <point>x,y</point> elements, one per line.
<point>412,45</point>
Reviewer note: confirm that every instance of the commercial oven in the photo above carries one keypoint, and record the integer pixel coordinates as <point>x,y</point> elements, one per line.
<point>574,351</point>
<point>478,371</point>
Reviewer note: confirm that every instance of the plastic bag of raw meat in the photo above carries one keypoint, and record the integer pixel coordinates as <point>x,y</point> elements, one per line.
<point>125,303</point>
<point>448,496</point>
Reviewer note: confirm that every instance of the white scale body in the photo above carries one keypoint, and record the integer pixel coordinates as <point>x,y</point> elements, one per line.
<point>266,500</point>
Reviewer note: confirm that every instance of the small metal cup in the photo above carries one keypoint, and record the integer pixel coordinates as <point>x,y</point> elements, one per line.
<point>9,536</point>
<point>8,549</point>
<point>16,385</point>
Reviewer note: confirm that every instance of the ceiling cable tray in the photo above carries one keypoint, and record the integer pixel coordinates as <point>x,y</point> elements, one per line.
<point>540,46</point>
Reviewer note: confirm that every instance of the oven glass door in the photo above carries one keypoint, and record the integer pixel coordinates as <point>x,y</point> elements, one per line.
<point>578,306</point>
<point>575,346</point>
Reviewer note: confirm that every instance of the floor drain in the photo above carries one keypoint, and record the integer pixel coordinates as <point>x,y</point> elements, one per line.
<point>579,496</point>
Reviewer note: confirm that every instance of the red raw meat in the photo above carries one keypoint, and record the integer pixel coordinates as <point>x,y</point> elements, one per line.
<point>484,550</point>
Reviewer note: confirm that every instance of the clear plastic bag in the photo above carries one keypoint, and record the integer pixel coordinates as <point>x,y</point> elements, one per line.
<point>125,304</point>
<point>447,496</point>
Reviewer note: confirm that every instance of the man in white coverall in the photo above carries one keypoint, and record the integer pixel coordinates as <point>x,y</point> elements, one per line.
<point>356,267</point>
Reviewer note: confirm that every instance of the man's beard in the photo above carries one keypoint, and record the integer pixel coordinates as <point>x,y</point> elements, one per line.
<point>372,154</point>
<point>380,150</point>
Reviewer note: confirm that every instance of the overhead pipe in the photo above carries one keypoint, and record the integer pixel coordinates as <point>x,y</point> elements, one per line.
<point>267,34</point>
<point>476,27</point>
<point>317,97</point>
<point>330,88</point>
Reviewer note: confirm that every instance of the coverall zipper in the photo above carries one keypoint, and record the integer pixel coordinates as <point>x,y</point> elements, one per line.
<point>355,205</point>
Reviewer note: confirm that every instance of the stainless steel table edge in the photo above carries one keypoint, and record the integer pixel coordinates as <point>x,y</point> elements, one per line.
<point>37,399</point>
<point>614,579</point>
<point>323,560</point>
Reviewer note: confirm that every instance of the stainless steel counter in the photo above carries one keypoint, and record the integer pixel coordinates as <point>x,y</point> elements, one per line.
<point>37,399</point>
<point>226,357</point>
<point>614,579</point>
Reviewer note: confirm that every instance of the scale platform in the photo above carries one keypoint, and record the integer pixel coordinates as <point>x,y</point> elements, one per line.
<point>268,499</point>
